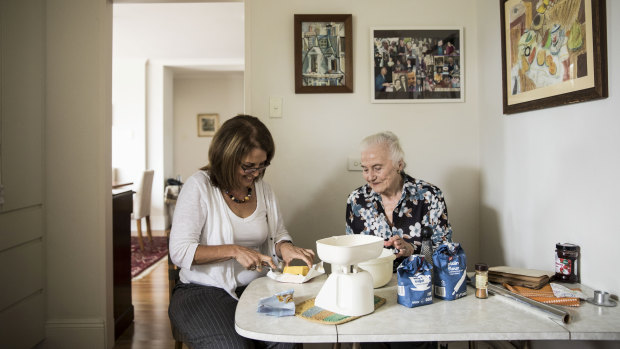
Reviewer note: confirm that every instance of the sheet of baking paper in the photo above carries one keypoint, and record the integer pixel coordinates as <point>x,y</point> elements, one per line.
<point>315,271</point>
<point>280,304</point>
<point>561,291</point>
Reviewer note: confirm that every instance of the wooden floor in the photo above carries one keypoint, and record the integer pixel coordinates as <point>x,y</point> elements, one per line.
<point>151,326</point>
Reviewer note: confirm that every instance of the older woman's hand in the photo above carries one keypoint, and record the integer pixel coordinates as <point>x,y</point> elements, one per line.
<point>404,248</point>
<point>289,252</point>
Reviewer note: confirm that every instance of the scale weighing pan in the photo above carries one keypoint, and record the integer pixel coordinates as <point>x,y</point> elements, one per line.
<point>349,249</point>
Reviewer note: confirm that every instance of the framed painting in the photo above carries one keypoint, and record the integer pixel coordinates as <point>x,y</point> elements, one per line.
<point>208,124</point>
<point>554,52</point>
<point>323,53</point>
<point>416,65</point>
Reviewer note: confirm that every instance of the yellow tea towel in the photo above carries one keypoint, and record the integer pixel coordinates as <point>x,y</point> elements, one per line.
<point>307,310</point>
<point>544,295</point>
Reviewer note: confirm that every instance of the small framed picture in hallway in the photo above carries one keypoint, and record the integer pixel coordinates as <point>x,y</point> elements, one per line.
<point>208,124</point>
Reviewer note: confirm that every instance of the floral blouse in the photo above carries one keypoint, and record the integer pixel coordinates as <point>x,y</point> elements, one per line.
<point>421,204</point>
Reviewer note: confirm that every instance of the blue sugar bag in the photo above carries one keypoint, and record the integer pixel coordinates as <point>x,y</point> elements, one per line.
<point>280,304</point>
<point>414,281</point>
<point>450,271</point>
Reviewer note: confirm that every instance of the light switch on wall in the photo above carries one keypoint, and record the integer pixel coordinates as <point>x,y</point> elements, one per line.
<point>354,164</point>
<point>275,107</point>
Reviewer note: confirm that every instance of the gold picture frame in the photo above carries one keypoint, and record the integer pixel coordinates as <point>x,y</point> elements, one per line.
<point>554,52</point>
<point>208,124</point>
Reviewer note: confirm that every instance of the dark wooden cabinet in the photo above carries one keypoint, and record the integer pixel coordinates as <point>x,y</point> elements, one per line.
<point>122,205</point>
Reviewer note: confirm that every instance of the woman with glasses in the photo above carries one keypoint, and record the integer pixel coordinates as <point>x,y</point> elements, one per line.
<point>226,229</point>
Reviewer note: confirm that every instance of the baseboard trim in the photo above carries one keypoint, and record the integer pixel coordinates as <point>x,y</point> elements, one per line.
<point>75,333</point>
<point>77,323</point>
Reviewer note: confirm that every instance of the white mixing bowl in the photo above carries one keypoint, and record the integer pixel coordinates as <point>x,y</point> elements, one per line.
<point>380,268</point>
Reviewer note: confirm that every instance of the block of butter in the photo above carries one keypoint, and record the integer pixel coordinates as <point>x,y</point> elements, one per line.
<point>296,274</point>
<point>296,270</point>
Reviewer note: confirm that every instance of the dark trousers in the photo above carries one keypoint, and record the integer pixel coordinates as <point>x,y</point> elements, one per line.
<point>204,317</point>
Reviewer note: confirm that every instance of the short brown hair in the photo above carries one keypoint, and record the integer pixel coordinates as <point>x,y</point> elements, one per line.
<point>234,140</point>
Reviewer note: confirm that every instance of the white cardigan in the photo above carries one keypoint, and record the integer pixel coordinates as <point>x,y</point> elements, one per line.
<point>200,218</point>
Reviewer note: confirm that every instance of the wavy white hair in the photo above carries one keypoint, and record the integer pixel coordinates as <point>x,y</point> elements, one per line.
<point>388,139</point>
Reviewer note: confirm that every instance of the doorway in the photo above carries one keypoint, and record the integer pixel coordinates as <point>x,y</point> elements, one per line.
<point>171,63</point>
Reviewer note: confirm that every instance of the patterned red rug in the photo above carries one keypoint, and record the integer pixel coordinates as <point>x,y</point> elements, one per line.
<point>153,252</point>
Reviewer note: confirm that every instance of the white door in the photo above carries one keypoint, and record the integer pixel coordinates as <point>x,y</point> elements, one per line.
<point>22,106</point>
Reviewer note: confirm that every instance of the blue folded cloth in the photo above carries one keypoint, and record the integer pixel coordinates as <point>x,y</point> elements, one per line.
<point>280,304</point>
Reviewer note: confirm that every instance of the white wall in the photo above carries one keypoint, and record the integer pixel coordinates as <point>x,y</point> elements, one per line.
<point>78,201</point>
<point>220,93</point>
<point>319,131</point>
<point>179,30</point>
<point>550,175</point>
<point>180,38</point>
<point>22,166</point>
<point>309,174</point>
<point>129,118</point>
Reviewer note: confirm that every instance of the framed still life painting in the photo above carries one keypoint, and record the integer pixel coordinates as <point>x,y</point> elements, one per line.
<point>416,65</point>
<point>323,54</point>
<point>554,52</point>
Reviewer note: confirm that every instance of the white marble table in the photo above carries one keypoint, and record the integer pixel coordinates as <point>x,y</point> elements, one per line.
<point>591,322</point>
<point>292,329</point>
<point>465,319</point>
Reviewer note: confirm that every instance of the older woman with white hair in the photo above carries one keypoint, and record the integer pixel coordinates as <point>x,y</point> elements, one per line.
<point>392,204</point>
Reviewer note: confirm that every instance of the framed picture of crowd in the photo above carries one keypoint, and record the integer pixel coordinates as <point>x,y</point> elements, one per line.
<point>417,65</point>
<point>554,52</point>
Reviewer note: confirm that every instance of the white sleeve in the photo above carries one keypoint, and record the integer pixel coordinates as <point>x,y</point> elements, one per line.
<point>188,222</point>
<point>280,232</point>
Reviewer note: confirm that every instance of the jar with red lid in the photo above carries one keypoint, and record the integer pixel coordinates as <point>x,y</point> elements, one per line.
<point>567,262</point>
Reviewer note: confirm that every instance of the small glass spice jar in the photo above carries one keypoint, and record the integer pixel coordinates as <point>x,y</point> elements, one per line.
<point>482,280</point>
<point>567,263</point>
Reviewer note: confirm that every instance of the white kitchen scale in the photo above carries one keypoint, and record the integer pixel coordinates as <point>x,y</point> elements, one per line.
<point>348,290</point>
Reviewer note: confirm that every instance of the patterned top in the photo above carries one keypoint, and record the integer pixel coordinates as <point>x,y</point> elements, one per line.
<point>421,204</point>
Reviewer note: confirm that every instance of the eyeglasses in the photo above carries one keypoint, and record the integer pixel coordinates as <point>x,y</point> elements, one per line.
<point>250,170</point>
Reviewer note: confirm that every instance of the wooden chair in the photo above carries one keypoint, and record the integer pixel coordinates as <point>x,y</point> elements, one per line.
<point>142,205</point>
<point>171,193</point>
<point>173,279</point>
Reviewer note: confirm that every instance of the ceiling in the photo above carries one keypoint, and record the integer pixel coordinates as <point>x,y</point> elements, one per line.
<point>196,37</point>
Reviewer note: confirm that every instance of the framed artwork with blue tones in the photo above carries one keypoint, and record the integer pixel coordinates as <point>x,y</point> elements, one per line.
<point>417,65</point>
<point>554,52</point>
<point>323,53</point>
